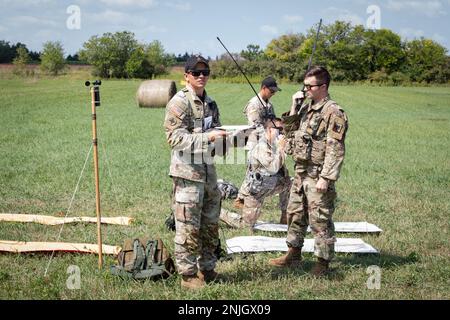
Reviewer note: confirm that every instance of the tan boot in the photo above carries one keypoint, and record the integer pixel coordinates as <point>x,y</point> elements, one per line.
<point>321,268</point>
<point>231,219</point>
<point>238,203</point>
<point>192,282</point>
<point>293,258</point>
<point>208,276</point>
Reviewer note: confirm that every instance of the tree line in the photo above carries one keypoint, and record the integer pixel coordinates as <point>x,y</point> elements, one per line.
<point>351,53</point>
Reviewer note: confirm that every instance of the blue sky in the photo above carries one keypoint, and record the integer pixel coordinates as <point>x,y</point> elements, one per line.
<point>193,25</point>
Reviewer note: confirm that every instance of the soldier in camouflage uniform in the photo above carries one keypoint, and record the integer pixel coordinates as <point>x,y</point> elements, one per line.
<point>316,135</point>
<point>191,116</point>
<point>257,114</point>
<point>267,175</point>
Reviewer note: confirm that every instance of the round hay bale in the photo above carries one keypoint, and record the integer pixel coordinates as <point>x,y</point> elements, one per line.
<point>155,93</point>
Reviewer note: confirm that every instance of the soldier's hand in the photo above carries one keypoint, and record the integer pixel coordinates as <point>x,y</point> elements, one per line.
<point>295,97</point>
<point>282,142</point>
<point>322,185</point>
<point>213,134</point>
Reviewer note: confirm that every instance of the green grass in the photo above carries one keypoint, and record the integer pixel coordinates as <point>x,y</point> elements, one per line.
<point>396,175</point>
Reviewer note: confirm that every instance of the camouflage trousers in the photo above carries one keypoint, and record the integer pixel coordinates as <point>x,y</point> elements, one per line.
<point>196,207</point>
<point>307,206</point>
<point>253,201</point>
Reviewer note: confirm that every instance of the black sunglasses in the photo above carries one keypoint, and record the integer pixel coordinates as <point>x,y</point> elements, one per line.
<point>196,73</point>
<point>309,86</point>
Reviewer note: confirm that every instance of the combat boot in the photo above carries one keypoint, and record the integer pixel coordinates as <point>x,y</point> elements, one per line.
<point>293,258</point>
<point>283,218</point>
<point>192,282</point>
<point>231,219</point>
<point>208,276</point>
<point>238,203</point>
<point>321,268</point>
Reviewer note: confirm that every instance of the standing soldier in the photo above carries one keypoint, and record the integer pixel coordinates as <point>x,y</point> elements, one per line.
<point>258,110</point>
<point>316,135</point>
<point>191,116</point>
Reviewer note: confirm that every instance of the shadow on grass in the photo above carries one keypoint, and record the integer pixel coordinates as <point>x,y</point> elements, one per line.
<point>383,260</point>
<point>338,268</point>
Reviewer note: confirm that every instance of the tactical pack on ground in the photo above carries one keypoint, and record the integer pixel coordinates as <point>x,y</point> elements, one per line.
<point>142,259</point>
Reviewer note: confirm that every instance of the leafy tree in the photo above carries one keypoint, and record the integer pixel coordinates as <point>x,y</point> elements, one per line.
<point>74,58</point>
<point>285,48</point>
<point>35,56</point>
<point>427,61</point>
<point>138,65</point>
<point>109,53</point>
<point>21,61</point>
<point>119,55</point>
<point>7,53</point>
<point>340,49</point>
<point>52,58</point>
<point>157,58</point>
<point>252,53</point>
<point>383,49</point>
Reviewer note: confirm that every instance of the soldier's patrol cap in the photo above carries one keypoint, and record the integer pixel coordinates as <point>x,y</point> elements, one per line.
<point>192,62</point>
<point>270,83</point>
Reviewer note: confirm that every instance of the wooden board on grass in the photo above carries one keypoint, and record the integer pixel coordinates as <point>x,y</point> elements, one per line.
<point>31,246</point>
<point>51,220</point>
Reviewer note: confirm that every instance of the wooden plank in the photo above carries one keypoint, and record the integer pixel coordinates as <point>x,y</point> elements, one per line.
<point>51,220</point>
<point>31,246</point>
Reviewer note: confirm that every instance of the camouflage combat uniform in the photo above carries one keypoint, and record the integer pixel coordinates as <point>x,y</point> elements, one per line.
<point>316,142</point>
<point>266,176</point>
<point>257,115</point>
<point>197,200</point>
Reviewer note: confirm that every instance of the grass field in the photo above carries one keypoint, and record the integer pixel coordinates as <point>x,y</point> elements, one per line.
<point>396,175</point>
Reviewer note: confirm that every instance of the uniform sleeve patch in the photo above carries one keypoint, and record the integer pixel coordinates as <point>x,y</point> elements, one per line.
<point>172,121</point>
<point>337,128</point>
<point>177,111</point>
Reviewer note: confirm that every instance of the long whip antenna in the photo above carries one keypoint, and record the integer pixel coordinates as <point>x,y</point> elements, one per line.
<point>300,101</point>
<point>243,73</point>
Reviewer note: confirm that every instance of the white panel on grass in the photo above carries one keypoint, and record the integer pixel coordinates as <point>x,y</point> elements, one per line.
<point>363,227</point>
<point>261,244</point>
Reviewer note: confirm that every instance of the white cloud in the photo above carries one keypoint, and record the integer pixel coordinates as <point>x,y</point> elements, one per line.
<point>24,21</point>
<point>292,19</point>
<point>333,14</point>
<point>180,6</point>
<point>26,3</point>
<point>3,29</point>
<point>408,33</point>
<point>430,8</point>
<point>411,34</point>
<point>154,29</point>
<point>110,17</point>
<point>47,35</point>
<point>131,3</point>
<point>119,18</point>
<point>439,38</point>
<point>269,29</point>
